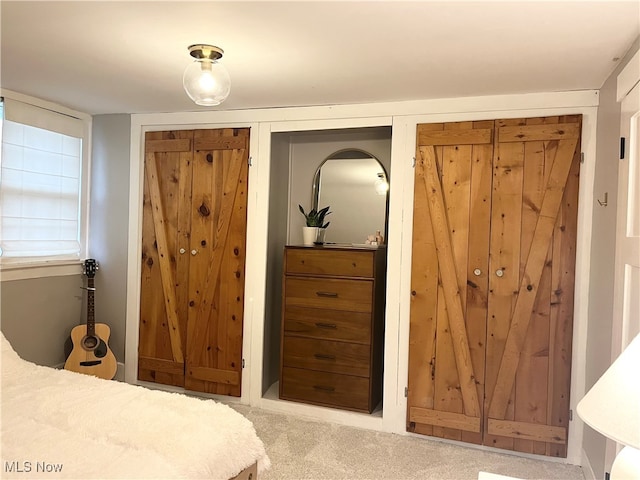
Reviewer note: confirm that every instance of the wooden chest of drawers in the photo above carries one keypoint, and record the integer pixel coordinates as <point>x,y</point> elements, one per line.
<point>333,326</point>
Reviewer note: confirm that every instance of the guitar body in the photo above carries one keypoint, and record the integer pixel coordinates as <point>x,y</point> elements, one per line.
<point>91,354</point>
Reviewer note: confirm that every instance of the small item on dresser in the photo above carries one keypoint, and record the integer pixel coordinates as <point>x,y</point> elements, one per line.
<point>315,228</point>
<point>379,239</point>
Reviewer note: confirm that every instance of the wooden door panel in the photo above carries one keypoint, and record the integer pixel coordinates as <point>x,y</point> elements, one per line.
<point>527,432</point>
<point>449,281</point>
<point>206,191</point>
<point>495,248</point>
<point>163,311</point>
<point>523,392</point>
<point>163,231</point>
<point>218,231</point>
<point>448,422</point>
<point>448,177</point>
<point>561,302</point>
<point>424,305</point>
<point>528,286</point>
<point>454,167</point>
<point>477,275</point>
<point>530,390</point>
<point>447,394</point>
<point>506,221</point>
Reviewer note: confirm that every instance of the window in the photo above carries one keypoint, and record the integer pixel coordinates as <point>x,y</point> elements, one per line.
<point>41,186</point>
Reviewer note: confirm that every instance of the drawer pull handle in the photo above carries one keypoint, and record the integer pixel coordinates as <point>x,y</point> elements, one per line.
<point>327,294</point>
<point>328,326</point>
<point>323,388</point>
<point>322,356</point>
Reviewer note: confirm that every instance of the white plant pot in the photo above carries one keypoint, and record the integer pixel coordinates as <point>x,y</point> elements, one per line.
<point>309,235</point>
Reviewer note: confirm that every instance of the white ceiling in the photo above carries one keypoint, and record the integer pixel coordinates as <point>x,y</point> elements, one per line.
<point>128,57</point>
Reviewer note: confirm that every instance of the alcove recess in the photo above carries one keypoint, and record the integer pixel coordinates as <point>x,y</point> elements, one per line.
<point>295,157</point>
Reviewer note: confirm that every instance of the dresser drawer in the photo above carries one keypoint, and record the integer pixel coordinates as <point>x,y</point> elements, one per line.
<point>325,388</point>
<point>329,293</point>
<point>328,324</point>
<point>327,261</point>
<point>326,356</point>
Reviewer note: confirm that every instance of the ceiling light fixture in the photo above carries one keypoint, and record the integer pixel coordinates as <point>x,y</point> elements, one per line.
<point>206,81</point>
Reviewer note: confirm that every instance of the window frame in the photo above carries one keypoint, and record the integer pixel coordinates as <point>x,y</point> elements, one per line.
<point>18,268</point>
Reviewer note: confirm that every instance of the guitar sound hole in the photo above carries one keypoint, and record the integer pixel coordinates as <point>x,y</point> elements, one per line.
<point>90,343</point>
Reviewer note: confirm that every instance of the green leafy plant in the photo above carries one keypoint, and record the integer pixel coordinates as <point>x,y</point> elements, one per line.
<point>315,218</point>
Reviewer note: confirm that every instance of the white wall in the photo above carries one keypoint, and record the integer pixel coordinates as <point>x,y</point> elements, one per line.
<point>38,314</point>
<point>277,237</point>
<point>109,221</point>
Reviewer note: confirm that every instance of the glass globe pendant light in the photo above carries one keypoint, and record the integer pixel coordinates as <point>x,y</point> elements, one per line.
<point>206,81</point>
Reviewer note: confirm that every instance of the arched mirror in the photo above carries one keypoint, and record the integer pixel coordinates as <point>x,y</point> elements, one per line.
<point>356,186</point>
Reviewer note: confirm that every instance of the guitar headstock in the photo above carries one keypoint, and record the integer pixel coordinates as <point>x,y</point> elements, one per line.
<point>90,267</point>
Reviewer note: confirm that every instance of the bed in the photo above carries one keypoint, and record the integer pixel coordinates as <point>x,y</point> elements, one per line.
<point>61,424</point>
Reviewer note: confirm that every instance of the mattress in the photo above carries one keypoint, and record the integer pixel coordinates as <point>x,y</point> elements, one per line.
<point>61,424</point>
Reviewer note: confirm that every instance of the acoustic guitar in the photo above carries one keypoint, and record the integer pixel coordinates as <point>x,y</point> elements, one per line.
<point>91,353</point>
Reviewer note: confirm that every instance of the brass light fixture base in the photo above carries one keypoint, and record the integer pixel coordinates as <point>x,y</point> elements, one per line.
<point>200,51</point>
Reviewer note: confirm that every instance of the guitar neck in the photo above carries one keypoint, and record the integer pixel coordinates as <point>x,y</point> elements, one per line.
<point>91,320</point>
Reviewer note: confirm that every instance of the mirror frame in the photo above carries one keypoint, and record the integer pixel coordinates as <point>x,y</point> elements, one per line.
<point>315,187</point>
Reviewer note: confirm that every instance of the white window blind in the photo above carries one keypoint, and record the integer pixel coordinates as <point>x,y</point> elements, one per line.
<point>40,182</point>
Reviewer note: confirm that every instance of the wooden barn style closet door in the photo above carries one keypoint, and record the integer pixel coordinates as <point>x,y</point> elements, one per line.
<point>216,279</point>
<point>448,311</point>
<point>193,257</point>
<point>495,213</point>
<point>166,222</point>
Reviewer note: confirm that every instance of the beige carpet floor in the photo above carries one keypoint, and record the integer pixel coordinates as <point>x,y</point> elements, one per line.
<point>303,449</point>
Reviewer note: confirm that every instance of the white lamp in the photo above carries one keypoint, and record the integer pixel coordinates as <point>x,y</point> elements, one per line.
<point>206,80</point>
<point>612,407</point>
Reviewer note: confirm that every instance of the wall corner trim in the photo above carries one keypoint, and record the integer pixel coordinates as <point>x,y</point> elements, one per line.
<point>628,77</point>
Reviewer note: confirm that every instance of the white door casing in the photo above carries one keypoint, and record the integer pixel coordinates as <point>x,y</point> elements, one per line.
<point>626,301</point>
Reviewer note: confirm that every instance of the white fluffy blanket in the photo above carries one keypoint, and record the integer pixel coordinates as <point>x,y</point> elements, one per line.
<point>60,424</point>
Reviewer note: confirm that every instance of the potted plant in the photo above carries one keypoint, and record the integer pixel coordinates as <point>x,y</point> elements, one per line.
<point>313,231</point>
